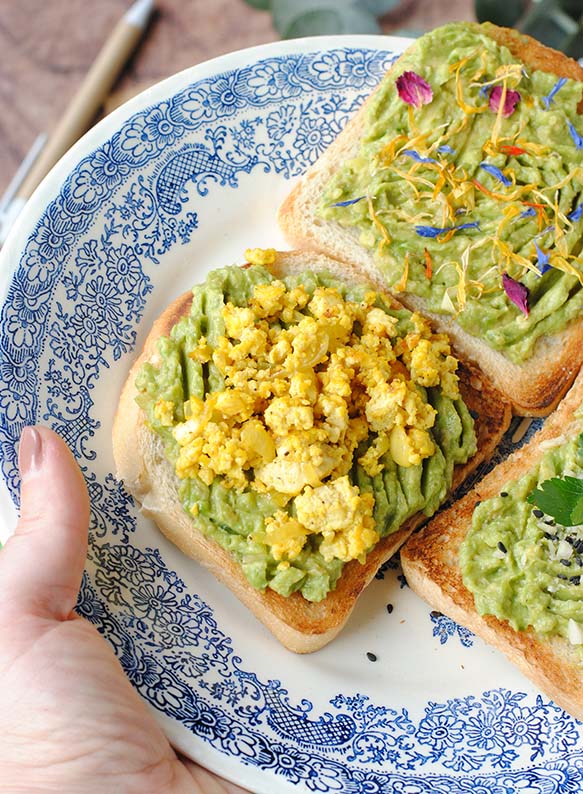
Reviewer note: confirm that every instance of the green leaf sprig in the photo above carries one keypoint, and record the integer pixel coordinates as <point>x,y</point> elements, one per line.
<point>561,498</point>
<point>295,18</point>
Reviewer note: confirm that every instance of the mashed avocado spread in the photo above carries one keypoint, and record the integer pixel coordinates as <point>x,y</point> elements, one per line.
<point>467,186</point>
<point>523,566</point>
<point>305,419</point>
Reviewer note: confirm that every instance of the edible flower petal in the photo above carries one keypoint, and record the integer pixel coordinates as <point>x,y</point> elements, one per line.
<point>576,214</point>
<point>435,231</point>
<point>543,260</point>
<point>416,156</point>
<point>447,149</point>
<point>413,89</point>
<point>428,264</point>
<point>348,202</point>
<point>548,99</point>
<point>516,292</point>
<point>506,149</point>
<point>496,173</point>
<point>511,100</point>
<point>577,138</point>
<point>528,213</point>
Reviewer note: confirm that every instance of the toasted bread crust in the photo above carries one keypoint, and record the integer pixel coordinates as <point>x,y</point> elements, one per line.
<point>535,387</point>
<point>430,563</point>
<point>300,625</point>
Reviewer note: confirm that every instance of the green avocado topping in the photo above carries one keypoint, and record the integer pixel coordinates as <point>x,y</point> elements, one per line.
<point>235,517</point>
<point>522,565</point>
<point>467,188</point>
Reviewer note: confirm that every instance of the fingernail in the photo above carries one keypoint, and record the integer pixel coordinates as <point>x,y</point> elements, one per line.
<point>30,451</point>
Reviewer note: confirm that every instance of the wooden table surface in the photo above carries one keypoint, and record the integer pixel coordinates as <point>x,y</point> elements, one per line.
<point>47,46</point>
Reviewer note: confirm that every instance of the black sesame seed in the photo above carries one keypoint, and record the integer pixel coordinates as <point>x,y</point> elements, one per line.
<point>389,608</point>
<point>548,536</point>
<point>372,657</point>
<point>503,493</point>
<point>565,562</point>
<point>550,522</point>
<point>578,546</point>
<point>562,576</point>
<point>502,547</point>
<point>435,614</point>
<point>575,580</point>
<point>570,540</point>
<point>537,513</point>
<point>477,504</point>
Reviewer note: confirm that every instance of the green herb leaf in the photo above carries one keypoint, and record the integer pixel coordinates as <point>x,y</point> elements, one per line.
<point>561,498</point>
<point>262,5</point>
<point>577,513</point>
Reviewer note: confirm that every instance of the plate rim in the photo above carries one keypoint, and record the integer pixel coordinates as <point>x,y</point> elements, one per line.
<point>91,141</point>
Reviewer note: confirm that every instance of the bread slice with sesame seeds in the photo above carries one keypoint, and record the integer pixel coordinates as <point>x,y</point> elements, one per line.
<point>300,625</point>
<point>431,563</point>
<point>534,385</point>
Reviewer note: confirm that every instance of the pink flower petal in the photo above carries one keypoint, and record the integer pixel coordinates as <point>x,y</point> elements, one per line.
<point>516,292</point>
<point>510,102</point>
<point>413,89</point>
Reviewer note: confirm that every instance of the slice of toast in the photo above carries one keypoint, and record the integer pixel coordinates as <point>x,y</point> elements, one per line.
<point>535,386</point>
<point>302,626</point>
<point>430,564</point>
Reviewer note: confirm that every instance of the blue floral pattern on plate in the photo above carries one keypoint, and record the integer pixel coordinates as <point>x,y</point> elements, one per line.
<point>73,309</point>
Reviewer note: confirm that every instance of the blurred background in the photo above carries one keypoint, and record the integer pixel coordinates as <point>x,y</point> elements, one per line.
<point>47,48</point>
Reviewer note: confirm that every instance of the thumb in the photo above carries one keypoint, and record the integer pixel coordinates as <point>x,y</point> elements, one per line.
<point>42,563</point>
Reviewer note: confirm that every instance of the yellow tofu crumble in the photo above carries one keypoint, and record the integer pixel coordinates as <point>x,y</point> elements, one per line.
<point>306,379</point>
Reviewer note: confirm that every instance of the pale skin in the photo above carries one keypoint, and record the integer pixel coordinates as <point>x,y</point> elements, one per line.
<point>70,722</point>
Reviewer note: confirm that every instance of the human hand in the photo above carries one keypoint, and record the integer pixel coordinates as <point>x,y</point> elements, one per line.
<point>70,721</point>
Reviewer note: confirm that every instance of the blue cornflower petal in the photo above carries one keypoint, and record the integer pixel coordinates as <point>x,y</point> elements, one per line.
<point>578,139</point>
<point>576,214</point>
<point>416,156</point>
<point>548,99</point>
<point>447,149</point>
<point>435,231</point>
<point>474,225</point>
<point>545,231</point>
<point>496,173</point>
<point>348,202</point>
<point>528,212</point>
<point>430,231</point>
<point>543,260</point>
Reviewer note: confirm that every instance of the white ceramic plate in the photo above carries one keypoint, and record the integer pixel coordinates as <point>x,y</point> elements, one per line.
<point>178,181</point>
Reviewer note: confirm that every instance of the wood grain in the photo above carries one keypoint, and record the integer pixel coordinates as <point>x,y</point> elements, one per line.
<point>47,47</point>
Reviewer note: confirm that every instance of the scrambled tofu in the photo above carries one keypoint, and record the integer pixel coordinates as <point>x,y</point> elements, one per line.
<point>307,378</point>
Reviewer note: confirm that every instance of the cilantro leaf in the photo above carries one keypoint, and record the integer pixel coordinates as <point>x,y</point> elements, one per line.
<point>561,498</point>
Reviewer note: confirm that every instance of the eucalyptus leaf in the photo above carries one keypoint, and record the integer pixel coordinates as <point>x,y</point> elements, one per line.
<point>262,5</point>
<point>378,7</point>
<point>314,23</point>
<point>327,22</point>
<point>500,12</point>
<point>287,11</point>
